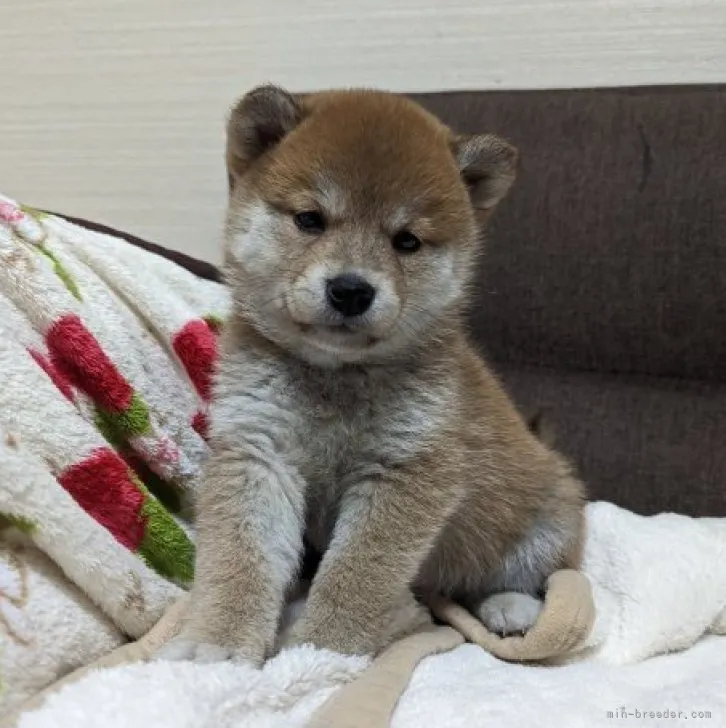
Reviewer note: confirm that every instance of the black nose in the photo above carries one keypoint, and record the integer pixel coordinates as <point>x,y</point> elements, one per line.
<point>350,294</point>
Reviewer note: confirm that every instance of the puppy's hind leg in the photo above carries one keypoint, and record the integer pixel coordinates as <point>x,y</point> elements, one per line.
<point>515,591</point>
<point>509,612</point>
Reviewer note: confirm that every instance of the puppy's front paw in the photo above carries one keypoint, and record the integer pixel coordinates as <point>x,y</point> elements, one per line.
<point>509,613</point>
<point>355,631</point>
<point>336,637</point>
<point>185,648</point>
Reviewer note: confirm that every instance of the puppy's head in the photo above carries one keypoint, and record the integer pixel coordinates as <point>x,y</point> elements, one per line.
<point>353,220</point>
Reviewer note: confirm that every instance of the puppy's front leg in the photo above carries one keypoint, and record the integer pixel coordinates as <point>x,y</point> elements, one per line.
<point>361,597</point>
<point>251,513</point>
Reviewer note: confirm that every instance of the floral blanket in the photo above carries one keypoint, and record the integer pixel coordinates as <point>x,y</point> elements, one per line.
<point>106,358</point>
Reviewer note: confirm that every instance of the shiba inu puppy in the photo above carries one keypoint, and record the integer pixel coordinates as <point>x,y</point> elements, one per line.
<point>349,403</point>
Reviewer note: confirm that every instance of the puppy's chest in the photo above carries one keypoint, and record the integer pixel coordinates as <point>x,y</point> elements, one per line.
<point>337,430</point>
<point>354,431</point>
<point>352,425</point>
<point>331,425</point>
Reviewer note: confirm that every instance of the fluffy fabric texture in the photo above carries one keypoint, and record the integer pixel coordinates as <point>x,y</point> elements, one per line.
<point>47,624</point>
<point>658,585</point>
<point>106,353</point>
<point>463,687</point>
<point>284,693</point>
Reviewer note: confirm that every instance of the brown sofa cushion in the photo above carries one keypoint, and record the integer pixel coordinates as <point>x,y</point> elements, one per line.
<point>648,444</point>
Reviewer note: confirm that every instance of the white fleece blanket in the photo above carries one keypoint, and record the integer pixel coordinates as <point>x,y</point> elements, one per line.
<point>659,585</point>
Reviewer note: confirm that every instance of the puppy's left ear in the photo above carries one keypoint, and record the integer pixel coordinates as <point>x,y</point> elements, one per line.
<point>258,122</point>
<point>488,166</point>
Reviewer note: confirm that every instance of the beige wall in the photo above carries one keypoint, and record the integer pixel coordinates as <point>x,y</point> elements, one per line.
<point>113,109</point>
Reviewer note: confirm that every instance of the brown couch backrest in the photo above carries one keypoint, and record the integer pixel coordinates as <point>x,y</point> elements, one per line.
<point>610,253</point>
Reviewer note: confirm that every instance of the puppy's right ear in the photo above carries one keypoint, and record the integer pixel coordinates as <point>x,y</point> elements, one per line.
<point>258,121</point>
<point>488,166</point>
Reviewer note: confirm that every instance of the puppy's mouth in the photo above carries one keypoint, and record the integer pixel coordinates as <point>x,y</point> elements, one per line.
<point>343,329</point>
<point>339,334</point>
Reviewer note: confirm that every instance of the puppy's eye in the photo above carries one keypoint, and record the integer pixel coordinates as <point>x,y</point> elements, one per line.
<point>310,221</point>
<point>405,242</point>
